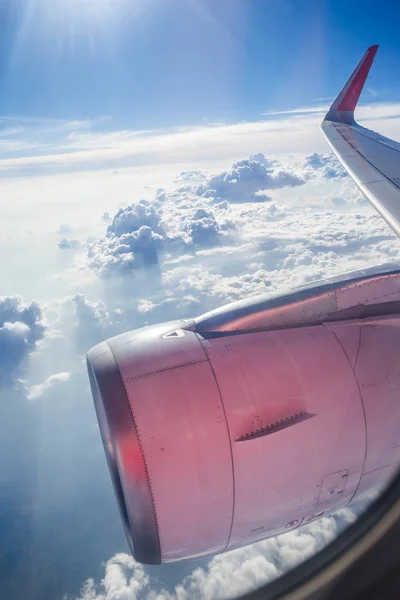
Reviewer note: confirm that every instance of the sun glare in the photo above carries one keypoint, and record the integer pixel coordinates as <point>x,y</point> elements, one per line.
<point>85,10</point>
<point>87,16</point>
<point>93,8</point>
<point>73,23</point>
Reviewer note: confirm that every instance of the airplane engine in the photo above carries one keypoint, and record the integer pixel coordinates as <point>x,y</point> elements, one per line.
<point>252,420</point>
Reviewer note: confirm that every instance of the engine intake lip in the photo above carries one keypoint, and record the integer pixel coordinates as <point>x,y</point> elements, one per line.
<point>121,443</point>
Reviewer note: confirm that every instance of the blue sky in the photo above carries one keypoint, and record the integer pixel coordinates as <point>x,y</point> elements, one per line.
<point>149,63</point>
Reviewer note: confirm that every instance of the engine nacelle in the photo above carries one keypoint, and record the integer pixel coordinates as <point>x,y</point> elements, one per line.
<point>252,420</point>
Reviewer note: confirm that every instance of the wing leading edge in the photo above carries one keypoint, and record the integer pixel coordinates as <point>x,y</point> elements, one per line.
<point>372,160</point>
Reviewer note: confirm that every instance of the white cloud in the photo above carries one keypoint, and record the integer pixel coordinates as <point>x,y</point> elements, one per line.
<point>132,241</point>
<point>133,250</point>
<point>287,132</point>
<point>199,253</point>
<point>226,575</point>
<point>93,321</point>
<point>187,219</point>
<point>194,176</point>
<point>326,165</point>
<point>203,227</point>
<point>36,391</point>
<point>129,219</point>
<point>141,232</point>
<point>145,306</point>
<point>21,328</point>
<point>246,179</point>
<point>279,249</point>
<point>89,313</point>
<point>315,110</point>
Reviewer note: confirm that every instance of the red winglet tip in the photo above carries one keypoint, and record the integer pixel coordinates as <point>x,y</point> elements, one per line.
<point>352,94</point>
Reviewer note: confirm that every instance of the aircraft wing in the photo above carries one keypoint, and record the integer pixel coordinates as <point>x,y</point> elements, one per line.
<point>372,161</point>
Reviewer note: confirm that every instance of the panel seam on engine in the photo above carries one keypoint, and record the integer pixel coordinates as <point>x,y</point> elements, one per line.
<point>365,416</point>
<point>362,405</point>
<point>174,367</point>
<point>228,437</point>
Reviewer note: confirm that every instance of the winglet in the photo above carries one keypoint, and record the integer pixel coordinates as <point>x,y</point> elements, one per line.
<point>342,110</point>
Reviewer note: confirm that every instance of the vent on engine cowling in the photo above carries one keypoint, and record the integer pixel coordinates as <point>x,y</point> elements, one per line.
<point>276,426</point>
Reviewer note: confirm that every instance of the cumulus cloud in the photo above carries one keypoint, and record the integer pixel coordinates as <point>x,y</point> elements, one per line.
<point>346,194</point>
<point>145,306</point>
<point>135,216</point>
<point>326,166</point>
<point>143,231</point>
<point>247,180</point>
<point>207,252</point>
<point>36,391</point>
<point>91,313</point>
<point>93,321</point>
<point>131,251</point>
<point>21,328</point>
<point>226,575</point>
<point>261,158</point>
<point>278,250</point>
<point>203,227</point>
<point>186,219</point>
<point>190,176</point>
<point>133,240</point>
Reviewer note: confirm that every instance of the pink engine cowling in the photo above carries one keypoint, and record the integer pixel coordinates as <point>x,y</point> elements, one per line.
<point>217,439</point>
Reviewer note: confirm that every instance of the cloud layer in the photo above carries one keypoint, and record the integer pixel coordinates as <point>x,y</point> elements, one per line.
<point>191,217</point>
<point>58,145</point>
